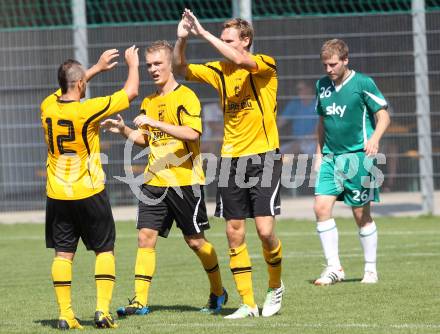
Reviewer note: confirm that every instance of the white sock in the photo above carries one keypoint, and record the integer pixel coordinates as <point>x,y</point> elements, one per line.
<point>368,238</point>
<point>328,233</point>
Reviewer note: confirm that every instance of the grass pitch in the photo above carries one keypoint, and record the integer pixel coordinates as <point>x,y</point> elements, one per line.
<point>406,300</point>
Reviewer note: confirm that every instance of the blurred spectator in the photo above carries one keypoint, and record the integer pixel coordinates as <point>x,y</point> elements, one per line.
<point>301,115</point>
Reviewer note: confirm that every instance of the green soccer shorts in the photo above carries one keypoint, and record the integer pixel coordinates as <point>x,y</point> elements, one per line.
<point>351,177</point>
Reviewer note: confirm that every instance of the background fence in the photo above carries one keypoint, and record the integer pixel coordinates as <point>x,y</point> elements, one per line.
<point>36,38</point>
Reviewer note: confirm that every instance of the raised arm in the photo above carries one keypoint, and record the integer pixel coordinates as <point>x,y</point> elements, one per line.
<point>179,59</point>
<point>131,86</point>
<point>244,60</point>
<point>105,63</point>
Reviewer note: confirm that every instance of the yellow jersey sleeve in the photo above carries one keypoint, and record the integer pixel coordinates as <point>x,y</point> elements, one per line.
<point>266,65</point>
<point>189,114</point>
<point>102,107</point>
<point>208,73</point>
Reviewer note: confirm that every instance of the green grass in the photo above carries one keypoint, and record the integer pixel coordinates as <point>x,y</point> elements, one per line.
<point>406,300</point>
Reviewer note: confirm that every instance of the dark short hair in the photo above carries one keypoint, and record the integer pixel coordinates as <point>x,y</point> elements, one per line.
<point>68,73</point>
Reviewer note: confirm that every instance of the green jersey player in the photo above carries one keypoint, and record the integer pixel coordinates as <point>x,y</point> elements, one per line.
<point>353,118</point>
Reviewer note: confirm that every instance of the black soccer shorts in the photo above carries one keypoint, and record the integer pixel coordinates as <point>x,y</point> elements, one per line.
<point>160,206</point>
<point>251,188</point>
<point>90,219</point>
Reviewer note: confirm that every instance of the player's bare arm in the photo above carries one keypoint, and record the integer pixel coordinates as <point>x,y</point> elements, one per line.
<point>181,132</point>
<point>319,145</point>
<point>179,58</point>
<point>382,123</point>
<point>106,62</point>
<point>242,59</point>
<point>118,126</point>
<point>131,86</point>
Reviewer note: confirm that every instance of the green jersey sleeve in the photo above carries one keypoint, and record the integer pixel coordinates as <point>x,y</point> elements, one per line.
<point>372,96</point>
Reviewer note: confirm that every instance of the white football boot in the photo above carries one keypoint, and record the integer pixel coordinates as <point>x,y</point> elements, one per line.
<point>244,311</point>
<point>370,277</point>
<point>272,304</point>
<point>330,275</point>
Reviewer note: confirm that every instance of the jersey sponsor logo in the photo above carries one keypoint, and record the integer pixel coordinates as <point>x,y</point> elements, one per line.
<point>244,104</point>
<point>159,135</point>
<point>335,110</point>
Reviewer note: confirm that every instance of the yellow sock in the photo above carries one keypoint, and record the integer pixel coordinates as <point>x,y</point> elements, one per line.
<point>273,259</point>
<point>105,280</point>
<point>240,264</point>
<point>143,273</point>
<point>208,257</point>
<point>62,281</point>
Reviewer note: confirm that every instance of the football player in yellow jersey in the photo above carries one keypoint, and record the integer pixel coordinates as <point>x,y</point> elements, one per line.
<point>77,204</point>
<point>247,85</point>
<point>170,125</point>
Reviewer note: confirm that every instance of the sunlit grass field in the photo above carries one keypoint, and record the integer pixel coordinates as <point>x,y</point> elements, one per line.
<point>406,300</point>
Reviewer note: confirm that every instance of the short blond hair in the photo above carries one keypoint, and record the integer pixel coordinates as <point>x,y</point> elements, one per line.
<point>243,26</point>
<point>160,45</point>
<point>334,47</point>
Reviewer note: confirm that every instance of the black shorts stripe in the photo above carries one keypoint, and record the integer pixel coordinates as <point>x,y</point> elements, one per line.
<point>213,269</point>
<point>241,270</point>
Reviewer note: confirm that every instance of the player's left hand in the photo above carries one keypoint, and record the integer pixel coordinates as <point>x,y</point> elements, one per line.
<point>143,120</point>
<point>114,125</point>
<point>106,60</point>
<point>195,26</point>
<point>371,147</point>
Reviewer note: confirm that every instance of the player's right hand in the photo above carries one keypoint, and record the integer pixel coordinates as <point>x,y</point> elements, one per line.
<point>132,56</point>
<point>114,125</point>
<point>105,61</point>
<point>183,27</point>
<point>195,27</point>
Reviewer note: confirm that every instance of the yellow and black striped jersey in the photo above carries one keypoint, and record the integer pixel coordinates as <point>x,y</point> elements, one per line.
<point>74,169</point>
<point>249,103</point>
<point>173,162</point>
